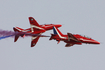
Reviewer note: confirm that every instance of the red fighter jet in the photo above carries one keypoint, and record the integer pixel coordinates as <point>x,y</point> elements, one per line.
<point>35,31</point>
<point>71,39</point>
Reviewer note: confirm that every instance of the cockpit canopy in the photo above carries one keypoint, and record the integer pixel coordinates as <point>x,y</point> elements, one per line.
<point>47,24</point>
<point>86,36</point>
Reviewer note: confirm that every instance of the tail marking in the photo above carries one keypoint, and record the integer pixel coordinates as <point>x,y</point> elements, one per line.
<point>57,32</point>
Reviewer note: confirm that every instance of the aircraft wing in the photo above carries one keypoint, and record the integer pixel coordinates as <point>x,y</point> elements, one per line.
<point>35,27</point>
<point>33,21</point>
<point>71,37</point>
<point>34,40</point>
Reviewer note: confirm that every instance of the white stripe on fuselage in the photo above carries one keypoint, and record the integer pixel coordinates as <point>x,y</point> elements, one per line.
<point>86,40</point>
<point>35,27</point>
<point>18,29</point>
<point>47,26</point>
<point>35,37</point>
<point>22,30</point>
<point>59,34</point>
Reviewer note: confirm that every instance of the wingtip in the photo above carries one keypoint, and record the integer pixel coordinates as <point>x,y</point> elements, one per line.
<point>30,17</point>
<point>33,44</point>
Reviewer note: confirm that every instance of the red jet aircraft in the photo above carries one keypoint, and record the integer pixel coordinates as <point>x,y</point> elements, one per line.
<point>71,39</point>
<point>35,31</point>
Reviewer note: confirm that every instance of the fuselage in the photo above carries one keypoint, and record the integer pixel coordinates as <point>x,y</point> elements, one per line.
<point>43,28</point>
<point>35,31</point>
<point>50,26</point>
<point>82,39</point>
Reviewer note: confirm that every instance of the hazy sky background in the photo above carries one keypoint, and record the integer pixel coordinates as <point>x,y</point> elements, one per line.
<point>76,16</point>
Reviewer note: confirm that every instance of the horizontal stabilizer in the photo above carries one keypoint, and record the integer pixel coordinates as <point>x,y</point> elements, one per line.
<point>52,35</point>
<point>16,38</point>
<point>69,45</point>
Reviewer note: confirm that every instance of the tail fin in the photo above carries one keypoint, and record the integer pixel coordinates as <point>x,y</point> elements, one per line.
<point>57,32</point>
<point>17,29</point>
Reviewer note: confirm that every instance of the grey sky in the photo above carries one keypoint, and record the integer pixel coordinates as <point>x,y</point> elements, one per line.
<point>76,16</point>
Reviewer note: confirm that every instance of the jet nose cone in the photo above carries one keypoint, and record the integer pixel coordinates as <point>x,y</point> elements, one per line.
<point>96,42</point>
<point>59,25</point>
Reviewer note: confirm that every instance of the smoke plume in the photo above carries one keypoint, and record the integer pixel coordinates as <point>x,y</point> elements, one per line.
<point>6,33</point>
